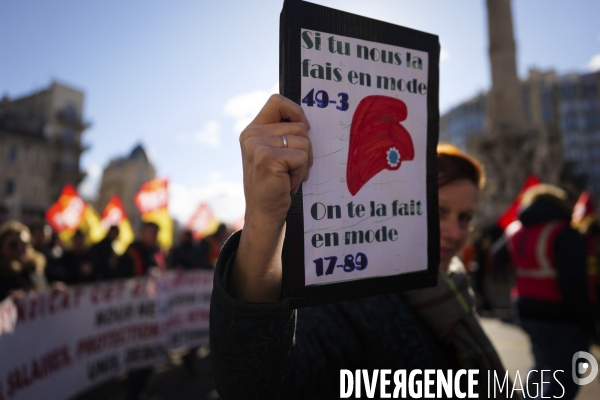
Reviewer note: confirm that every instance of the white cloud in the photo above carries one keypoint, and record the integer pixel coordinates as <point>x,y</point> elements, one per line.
<point>244,107</point>
<point>94,171</point>
<point>210,135</point>
<point>151,154</point>
<point>89,187</point>
<point>215,176</point>
<point>444,55</point>
<point>226,199</point>
<point>594,64</point>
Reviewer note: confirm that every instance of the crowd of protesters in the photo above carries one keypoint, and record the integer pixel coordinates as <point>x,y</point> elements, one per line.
<point>34,258</point>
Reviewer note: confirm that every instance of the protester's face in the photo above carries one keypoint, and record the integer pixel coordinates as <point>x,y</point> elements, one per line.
<point>78,243</point>
<point>186,238</point>
<point>37,237</point>
<point>113,233</point>
<point>148,236</point>
<point>13,247</point>
<point>458,202</point>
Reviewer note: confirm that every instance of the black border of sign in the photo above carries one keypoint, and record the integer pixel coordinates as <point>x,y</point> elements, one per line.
<point>296,15</point>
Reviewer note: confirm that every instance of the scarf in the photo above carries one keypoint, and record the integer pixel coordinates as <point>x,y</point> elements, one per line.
<point>448,310</point>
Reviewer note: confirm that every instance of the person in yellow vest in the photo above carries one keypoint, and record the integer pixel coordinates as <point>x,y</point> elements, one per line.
<point>551,286</point>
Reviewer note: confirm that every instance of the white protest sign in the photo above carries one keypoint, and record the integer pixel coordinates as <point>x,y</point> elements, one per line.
<point>364,205</point>
<point>67,342</point>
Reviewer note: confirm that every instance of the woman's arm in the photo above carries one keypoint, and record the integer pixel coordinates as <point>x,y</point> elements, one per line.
<point>255,352</point>
<point>272,174</point>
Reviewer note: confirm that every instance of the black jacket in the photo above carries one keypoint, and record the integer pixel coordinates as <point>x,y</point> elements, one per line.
<point>136,261</point>
<point>11,280</point>
<point>270,351</point>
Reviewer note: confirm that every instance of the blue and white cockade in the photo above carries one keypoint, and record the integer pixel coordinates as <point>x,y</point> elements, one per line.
<point>393,157</point>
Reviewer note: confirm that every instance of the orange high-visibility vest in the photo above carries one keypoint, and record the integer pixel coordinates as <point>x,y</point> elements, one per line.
<point>531,249</point>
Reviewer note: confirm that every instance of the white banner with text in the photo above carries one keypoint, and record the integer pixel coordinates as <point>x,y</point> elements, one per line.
<point>64,342</point>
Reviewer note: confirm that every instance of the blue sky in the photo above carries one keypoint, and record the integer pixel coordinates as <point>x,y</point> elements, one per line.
<point>183,77</point>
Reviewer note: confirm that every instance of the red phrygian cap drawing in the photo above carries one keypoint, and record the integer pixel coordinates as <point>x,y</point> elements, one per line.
<point>377,140</point>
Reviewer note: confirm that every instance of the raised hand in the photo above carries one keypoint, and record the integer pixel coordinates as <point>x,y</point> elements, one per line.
<point>272,173</point>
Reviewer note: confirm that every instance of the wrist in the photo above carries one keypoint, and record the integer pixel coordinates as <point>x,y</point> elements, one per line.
<point>255,275</point>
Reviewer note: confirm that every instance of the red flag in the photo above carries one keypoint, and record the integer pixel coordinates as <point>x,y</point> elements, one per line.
<point>510,214</point>
<point>203,222</point>
<point>584,209</point>
<point>70,213</point>
<point>67,212</point>
<point>152,196</point>
<point>114,215</point>
<point>153,200</point>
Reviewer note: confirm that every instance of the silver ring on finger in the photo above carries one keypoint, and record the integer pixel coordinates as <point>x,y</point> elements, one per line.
<point>285,142</point>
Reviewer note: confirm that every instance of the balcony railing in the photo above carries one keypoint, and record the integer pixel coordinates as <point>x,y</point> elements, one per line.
<point>72,119</point>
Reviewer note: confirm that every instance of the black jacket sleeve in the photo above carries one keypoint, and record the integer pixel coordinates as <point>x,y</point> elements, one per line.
<point>570,252</point>
<point>257,352</point>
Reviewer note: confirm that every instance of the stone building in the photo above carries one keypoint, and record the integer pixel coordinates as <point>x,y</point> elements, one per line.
<point>464,121</point>
<point>578,112</point>
<point>566,107</point>
<point>124,176</point>
<point>40,149</point>
<point>523,127</point>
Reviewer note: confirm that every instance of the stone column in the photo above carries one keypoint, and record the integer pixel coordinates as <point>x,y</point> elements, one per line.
<point>511,147</point>
<point>505,101</point>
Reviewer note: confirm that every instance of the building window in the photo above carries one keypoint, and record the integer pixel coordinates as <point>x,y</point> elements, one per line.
<point>13,154</point>
<point>568,91</point>
<point>67,161</point>
<point>548,113</point>
<point>70,112</point>
<point>35,190</point>
<point>9,187</point>
<point>68,135</point>
<point>589,90</point>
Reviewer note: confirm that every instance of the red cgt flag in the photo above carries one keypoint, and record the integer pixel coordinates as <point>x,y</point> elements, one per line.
<point>152,196</point>
<point>67,212</point>
<point>70,213</point>
<point>114,215</point>
<point>510,215</point>
<point>153,200</point>
<point>203,222</point>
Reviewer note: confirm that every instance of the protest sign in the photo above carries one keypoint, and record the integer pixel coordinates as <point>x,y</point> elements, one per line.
<point>366,221</point>
<point>60,343</point>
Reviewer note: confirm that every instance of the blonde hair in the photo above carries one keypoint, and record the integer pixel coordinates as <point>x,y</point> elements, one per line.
<point>33,260</point>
